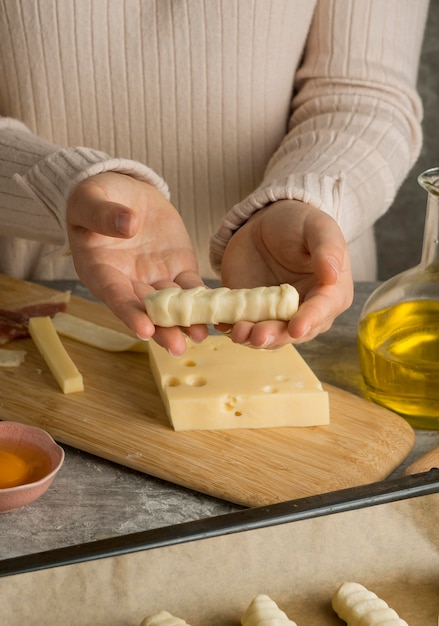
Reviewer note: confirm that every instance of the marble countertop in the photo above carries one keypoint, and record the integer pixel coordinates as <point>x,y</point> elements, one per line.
<point>94,499</point>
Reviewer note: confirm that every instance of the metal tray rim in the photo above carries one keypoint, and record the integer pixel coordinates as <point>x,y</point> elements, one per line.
<point>333,502</point>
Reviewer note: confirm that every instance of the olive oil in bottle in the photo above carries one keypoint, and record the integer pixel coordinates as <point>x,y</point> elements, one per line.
<point>398,331</point>
<point>399,357</point>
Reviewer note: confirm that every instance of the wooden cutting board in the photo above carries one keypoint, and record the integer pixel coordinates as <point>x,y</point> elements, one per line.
<point>120,417</point>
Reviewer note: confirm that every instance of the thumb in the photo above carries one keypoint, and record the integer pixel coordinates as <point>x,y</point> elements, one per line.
<point>328,251</point>
<point>102,217</point>
<point>328,268</point>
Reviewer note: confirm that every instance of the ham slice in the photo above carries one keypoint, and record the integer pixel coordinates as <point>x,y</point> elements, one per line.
<point>14,322</point>
<point>11,329</point>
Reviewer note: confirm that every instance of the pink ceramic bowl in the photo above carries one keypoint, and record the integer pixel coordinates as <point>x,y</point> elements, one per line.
<point>30,456</point>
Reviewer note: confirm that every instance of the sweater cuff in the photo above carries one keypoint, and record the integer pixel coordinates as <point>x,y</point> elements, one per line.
<point>50,181</point>
<point>322,192</point>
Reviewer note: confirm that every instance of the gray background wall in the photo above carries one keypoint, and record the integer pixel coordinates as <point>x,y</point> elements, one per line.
<point>399,233</point>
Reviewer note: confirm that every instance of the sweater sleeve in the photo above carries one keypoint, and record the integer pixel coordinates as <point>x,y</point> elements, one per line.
<point>36,178</point>
<point>355,127</point>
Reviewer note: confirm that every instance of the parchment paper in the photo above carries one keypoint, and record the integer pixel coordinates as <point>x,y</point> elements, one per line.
<point>393,549</point>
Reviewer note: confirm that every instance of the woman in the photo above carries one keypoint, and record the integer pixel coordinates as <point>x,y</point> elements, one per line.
<point>277,130</point>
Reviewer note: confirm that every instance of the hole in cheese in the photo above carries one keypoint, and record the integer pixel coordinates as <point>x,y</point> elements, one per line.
<point>269,389</point>
<point>190,364</point>
<point>196,381</point>
<point>172,382</point>
<point>230,403</point>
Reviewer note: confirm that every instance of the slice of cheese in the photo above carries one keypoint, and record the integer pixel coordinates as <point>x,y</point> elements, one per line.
<point>219,385</point>
<point>46,339</point>
<point>95,335</point>
<point>11,358</point>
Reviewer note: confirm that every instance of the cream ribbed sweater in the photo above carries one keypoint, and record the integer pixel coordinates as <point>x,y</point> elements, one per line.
<point>222,103</point>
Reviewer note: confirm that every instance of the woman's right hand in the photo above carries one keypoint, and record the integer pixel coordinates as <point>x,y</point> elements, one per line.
<point>127,239</point>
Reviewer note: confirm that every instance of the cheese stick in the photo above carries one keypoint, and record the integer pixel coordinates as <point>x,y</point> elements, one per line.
<point>53,352</point>
<point>95,335</point>
<point>163,618</point>
<point>358,606</point>
<point>199,305</point>
<point>263,611</point>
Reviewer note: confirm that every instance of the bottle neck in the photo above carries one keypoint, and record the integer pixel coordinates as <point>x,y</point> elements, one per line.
<point>430,245</point>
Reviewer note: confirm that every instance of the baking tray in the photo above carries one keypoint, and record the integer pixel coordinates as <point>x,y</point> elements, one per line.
<point>339,501</point>
<point>384,536</point>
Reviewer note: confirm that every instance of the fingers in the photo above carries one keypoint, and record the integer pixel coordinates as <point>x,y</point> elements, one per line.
<point>270,334</point>
<point>112,287</point>
<point>262,335</point>
<point>313,318</point>
<point>309,322</point>
<point>174,340</point>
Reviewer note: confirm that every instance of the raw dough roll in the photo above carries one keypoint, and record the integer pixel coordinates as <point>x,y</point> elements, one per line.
<point>357,605</point>
<point>263,611</point>
<point>163,618</point>
<point>184,307</point>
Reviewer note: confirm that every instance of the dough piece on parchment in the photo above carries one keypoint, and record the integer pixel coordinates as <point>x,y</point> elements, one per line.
<point>263,611</point>
<point>200,305</point>
<point>358,606</point>
<point>163,618</point>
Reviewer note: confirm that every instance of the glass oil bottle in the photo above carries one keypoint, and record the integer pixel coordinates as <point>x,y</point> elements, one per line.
<point>398,332</point>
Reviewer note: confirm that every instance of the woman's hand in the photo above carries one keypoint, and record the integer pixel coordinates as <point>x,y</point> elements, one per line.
<point>127,239</point>
<point>290,242</point>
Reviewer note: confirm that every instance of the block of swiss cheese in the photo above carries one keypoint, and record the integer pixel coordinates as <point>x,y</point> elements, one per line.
<point>219,385</point>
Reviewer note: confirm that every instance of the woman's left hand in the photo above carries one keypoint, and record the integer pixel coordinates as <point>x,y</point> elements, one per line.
<point>290,242</point>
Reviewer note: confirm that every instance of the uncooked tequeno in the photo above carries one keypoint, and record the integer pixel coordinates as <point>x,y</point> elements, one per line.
<point>358,606</point>
<point>354,604</point>
<point>263,611</point>
<point>200,305</point>
<point>163,618</point>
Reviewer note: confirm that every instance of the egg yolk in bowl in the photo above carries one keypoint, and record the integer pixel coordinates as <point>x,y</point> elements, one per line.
<point>13,470</point>
<point>27,465</point>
